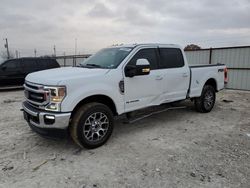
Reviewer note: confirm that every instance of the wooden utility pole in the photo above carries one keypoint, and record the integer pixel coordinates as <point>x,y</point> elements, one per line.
<point>54,50</point>
<point>75,46</point>
<point>7,47</point>
<point>35,52</point>
<point>74,59</point>
<point>64,59</point>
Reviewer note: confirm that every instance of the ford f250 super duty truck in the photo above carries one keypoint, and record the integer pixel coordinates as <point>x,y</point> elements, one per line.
<point>116,80</point>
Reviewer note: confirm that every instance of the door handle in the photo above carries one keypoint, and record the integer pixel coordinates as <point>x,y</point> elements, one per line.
<point>159,77</point>
<point>185,75</point>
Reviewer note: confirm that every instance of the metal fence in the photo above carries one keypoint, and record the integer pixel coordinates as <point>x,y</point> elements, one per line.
<point>71,60</point>
<point>237,60</point>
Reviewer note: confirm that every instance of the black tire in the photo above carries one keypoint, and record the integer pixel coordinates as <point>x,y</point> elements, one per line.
<point>205,102</point>
<point>85,125</point>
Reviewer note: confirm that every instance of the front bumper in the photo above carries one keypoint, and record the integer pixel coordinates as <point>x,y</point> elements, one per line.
<point>45,120</point>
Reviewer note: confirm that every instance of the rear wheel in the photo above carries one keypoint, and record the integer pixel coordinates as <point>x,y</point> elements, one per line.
<point>205,102</point>
<point>92,125</point>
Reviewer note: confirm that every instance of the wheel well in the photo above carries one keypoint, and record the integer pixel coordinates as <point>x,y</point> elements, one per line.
<point>212,83</point>
<point>103,99</point>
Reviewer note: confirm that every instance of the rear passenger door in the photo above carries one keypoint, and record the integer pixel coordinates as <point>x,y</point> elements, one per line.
<point>176,74</point>
<point>29,66</point>
<point>44,64</point>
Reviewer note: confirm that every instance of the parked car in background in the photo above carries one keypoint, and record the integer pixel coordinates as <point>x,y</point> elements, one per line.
<point>14,71</point>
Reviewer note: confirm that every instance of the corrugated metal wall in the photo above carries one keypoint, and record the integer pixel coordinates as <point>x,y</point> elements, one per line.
<point>198,57</point>
<point>237,59</point>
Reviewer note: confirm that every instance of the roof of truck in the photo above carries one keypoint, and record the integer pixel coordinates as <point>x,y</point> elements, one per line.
<point>147,44</point>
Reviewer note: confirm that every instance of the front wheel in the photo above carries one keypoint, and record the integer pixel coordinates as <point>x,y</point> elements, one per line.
<point>92,125</point>
<point>205,102</point>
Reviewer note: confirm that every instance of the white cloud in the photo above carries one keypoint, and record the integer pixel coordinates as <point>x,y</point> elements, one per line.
<point>98,23</point>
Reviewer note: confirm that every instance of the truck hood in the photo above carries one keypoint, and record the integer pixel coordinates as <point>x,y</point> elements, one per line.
<point>55,76</point>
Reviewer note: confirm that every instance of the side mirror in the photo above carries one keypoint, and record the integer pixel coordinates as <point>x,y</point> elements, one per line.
<point>130,71</point>
<point>142,67</point>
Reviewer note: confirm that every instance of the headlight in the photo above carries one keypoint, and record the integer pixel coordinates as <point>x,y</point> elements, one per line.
<point>56,95</point>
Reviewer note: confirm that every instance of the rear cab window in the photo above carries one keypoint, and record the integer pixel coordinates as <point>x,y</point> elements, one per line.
<point>53,64</point>
<point>171,58</point>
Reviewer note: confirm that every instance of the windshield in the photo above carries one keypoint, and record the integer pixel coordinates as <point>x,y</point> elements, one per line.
<point>108,58</point>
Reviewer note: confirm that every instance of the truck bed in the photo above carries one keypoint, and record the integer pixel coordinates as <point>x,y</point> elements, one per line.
<point>200,74</point>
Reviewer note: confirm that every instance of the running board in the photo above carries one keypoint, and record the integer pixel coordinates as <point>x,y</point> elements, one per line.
<point>130,120</point>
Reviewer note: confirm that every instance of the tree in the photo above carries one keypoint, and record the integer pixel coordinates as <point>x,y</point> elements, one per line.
<point>192,47</point>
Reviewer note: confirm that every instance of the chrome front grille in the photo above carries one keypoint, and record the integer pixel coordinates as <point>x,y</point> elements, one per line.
<point>36,95</point>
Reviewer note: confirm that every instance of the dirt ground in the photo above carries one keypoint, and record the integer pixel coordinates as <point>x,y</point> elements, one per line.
<point>177,148</point>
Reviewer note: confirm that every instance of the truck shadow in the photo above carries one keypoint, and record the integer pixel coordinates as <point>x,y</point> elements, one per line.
<point>152,117</point>
<point>122,128</point>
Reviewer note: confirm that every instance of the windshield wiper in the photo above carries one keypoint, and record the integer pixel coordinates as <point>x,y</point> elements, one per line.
<point>90,65</point>
<point>93,65</point>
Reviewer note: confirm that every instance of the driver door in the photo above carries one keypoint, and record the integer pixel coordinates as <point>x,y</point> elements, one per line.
<point>143,90</point>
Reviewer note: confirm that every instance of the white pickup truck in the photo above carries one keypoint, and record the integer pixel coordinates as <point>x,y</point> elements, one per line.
<point>116,80</point>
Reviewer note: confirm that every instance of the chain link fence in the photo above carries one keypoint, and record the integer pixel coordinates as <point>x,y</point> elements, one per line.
<point>71,60</point>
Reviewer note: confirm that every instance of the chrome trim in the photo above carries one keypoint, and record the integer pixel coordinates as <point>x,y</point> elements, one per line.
<point>29,111</point>
<point>33,90</point>
<point>41,91</point>
<point>37,103</point>
<point>33,84</point>
<point>35,106</point>
<point>61,119</point>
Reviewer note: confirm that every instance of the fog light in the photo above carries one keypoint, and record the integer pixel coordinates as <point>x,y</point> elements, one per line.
<point>49,119</point>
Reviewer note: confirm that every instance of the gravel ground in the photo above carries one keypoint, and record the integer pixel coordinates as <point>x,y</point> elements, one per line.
<point>177,148</point>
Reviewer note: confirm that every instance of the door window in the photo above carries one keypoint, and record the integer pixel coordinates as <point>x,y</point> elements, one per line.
<point>52,63</point>
<point>171,58</point>
<point>149,54</point>
<point>11,65</point>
